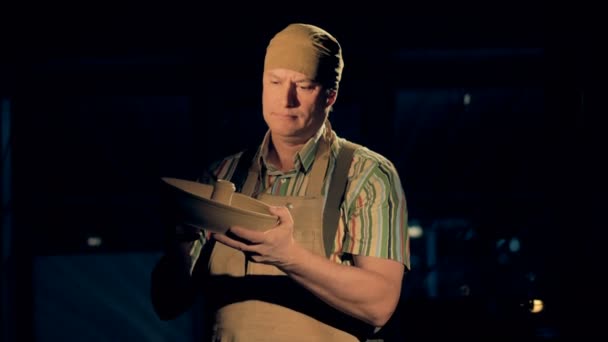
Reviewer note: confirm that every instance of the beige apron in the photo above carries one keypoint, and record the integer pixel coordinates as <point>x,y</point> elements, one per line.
<point>258,302</point>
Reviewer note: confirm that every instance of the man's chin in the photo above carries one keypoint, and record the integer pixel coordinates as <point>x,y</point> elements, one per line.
<point>285,129</point>
<point>293,136</point>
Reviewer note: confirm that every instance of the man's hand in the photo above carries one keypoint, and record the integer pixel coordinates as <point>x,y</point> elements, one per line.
<point>378,280</point>
<point>271,247</point>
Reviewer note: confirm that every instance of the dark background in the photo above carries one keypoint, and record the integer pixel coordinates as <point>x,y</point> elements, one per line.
<point>488,112</point>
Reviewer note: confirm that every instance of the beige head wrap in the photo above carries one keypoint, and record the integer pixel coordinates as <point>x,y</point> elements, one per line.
<point>309,50</point>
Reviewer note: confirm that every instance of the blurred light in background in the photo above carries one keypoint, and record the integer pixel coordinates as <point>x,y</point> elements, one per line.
<point>94,241</point>
<point>466,99</point>
<point>514,245</point>
<point>536,305</point>
<point>415,231</point>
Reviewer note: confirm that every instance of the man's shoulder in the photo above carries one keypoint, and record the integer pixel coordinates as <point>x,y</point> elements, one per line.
<point>233,156</point>
<point>367,156</point>
<point>221,168</point>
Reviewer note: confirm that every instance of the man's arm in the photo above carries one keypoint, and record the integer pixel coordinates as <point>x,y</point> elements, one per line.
<point>368,291</point>
<point>172,286</point>
<point>172,289</point>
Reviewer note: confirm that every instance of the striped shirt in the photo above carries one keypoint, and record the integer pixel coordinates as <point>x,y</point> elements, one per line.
<point>373,216</point>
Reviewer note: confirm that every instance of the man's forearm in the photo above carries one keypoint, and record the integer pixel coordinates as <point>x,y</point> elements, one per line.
<point>362,293</point>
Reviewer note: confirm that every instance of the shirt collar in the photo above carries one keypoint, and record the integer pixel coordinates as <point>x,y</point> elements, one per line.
<point>304,159</point>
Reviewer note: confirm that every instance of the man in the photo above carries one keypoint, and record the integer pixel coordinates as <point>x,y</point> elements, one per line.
<point>331,270</point>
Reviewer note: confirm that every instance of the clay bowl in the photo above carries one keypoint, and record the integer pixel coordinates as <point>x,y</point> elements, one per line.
<point>216,208</point>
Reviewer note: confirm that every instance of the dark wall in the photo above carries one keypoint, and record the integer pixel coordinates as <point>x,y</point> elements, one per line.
<point>472,106</point>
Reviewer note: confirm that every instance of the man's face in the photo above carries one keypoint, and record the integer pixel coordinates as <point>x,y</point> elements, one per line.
<point>294,106</point>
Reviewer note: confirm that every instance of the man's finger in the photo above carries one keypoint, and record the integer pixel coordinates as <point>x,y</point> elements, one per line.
<point>241,246</point>
<point>283,214</point>
<point>249,235</point>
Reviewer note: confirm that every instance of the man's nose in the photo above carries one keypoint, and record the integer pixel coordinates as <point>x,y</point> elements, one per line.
<point>290,97</point>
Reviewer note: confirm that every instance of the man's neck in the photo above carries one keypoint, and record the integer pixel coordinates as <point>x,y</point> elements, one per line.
<point>282,153</point>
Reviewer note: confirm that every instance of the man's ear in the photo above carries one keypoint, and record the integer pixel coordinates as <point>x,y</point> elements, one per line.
<point>332,95</point>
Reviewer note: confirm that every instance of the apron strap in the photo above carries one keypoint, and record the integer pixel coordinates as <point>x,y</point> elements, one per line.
<point>249,186</point>
<point>239,177</point>
<point>319,168</point>
<point>253,174</point>
<point>335,194</point>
